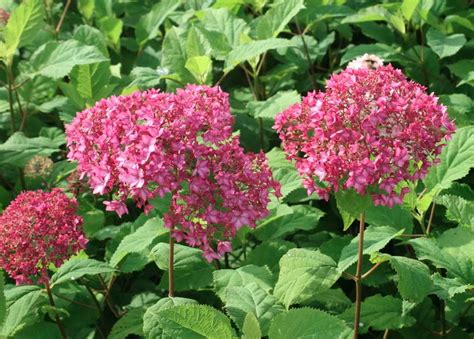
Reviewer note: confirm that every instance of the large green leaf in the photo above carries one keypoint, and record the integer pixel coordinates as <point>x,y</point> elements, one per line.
<point>191,271</point>
<point>23,304</point>
<point>148,26</point>
<point>283,171</point>
<point>444,45</point>
<point>251,327</point>
<point>463,69</point>
<point>351,205</point>
<point>191,321</point>
<point>130,323</point>
<point>303,217</point>
<point>151,320</point>
<point>414,281</point>
<point>56,59</point>
<point>18,149</point>
<point>91,81</point>
<point>270,108</point>
<point>304,273</point>
<point>77,268</point>
<point>112,29</point>
<point>308,323</point>
<point>253,49</point>
<point>375,238</point>
<point>241,300</point>
<point>276,18</point>
<point>380,313</point>
<point>458,209</point>
<point>139,241</point>
<point>381,50</point>
<point>269,253</point>
<point>23,25</point>
<point>457,158</point>
<point>396,217</point>
<point>226,278</point>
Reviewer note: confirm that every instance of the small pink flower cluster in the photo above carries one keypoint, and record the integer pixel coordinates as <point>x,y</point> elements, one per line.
<point>4,16</point>
<point>148,144</point>
<point>369,131</point>
<point>39,228</point>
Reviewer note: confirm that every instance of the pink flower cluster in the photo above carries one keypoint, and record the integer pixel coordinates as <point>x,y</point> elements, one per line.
<point>39,228</point>
<point>148,144</point>
<point>370,131</point>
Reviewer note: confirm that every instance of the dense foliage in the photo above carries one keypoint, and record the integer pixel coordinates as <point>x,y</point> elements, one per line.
<point>90,245</point>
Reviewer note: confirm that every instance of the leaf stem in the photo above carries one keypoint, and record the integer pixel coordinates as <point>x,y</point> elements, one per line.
<point>57,319</point>
<point>171,266</point>
<point>430,220</point>
<point>358,275</point>
<point>10,99</point>
<point>63,16</point>
<point>371,270</point>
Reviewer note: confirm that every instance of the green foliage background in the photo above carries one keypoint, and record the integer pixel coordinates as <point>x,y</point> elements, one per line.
<point>289,277</point>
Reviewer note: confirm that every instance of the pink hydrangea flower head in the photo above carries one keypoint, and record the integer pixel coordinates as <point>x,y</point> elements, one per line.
<point>37,229</point>
<point>149,144</point>
<point>4,16</point>
<point>371,130</point>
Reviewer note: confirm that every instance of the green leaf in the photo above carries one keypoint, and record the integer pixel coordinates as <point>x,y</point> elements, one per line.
<point>414,281</point>
<point>130,323</point>
<point>86,8</point>
<point>197,44</point>
<point>151,319</point>
<point>457,158</point>
<point>92,81</point>
<point>380,313</point>
<point>199,66</point>
<point>447,288</point>
<point>191,271</point>
<point>23,25</point>
<point>460,108</point>
<point>223,23</point>
<point>77,268</point>
<point>18,149</point>
<point>396,217</point>
<point>269,253</point>
<point>56,59</point>
<point>251,327</point>
<point>458,242</point>
<point>251,50</point>
<point>226,278</point>
<point>463,69</point>
<point>351,204</point>
<point>112,28</point>
<point>408,8</point>
<point>283,171</point>
<point>3,306</point>
<point>303,217</point>
<point>302,274</point>
<point>458,209</point>
<point>148,26</point>
<point>276,18</point>
<point>375,238</point>
<point>240,300</point>
<point>381,50</point>
<point>23,304</point>
<point>460,267</point>
<point>270,108</point>
<point>444,45</point>
<point>372,13</point>
<point>308,323</point>
<point>91,36</point>
<point>139,241</point>
<point>192,321</point>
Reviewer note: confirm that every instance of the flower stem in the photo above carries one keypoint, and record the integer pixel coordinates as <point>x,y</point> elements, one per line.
<point>358,276</point>
<point>58,320</point>
<point>171,266</point>
<point>430,220</point>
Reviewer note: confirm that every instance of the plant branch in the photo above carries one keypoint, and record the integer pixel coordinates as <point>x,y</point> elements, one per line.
<point>371,270</point>
<point>63,16</point>
<point>57,319</point>
<point>99,309</point>
<point>430,220</point>
<point>358,281</point>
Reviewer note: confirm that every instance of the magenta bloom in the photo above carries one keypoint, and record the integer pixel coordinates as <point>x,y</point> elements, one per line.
<point>371,130</point>
<point>37,229</point>
<point>148,144</point>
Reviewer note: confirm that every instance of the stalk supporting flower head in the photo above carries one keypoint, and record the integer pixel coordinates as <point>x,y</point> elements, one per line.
<point>38,229</point>
<point>149,144</point>
<point>371,130</point>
